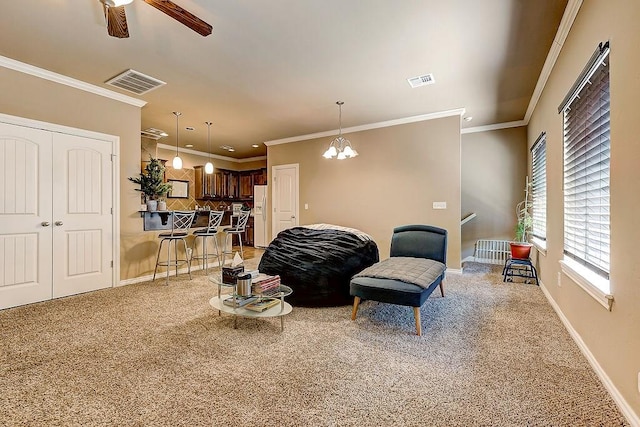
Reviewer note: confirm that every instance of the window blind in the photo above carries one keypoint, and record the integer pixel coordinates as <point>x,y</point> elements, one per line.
<point>539,187</point>
<point>586,168</point>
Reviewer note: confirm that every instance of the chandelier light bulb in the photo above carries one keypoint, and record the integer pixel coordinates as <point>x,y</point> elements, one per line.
<point>341,155</point>
<point>177,162</point>
<point>348,151</point>
<point>208,168</point>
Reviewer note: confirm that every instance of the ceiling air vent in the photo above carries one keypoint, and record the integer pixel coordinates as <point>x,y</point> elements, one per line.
<point>153,133</point>
<point>136,82</point>
<point>427,79</point>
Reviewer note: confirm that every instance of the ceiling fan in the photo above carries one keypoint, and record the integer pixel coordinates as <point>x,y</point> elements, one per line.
<point>117,20</point>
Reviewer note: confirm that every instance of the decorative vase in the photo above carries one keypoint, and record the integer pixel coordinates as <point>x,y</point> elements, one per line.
<point>162,205</point>
<point>520,250</point>
<point>152,205</point>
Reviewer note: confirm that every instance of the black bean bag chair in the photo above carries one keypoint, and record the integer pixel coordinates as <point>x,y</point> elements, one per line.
<point>318,261</point>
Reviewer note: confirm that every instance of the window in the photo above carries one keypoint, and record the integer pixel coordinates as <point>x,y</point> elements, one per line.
<point>539,187</point>
<point>586,170</point>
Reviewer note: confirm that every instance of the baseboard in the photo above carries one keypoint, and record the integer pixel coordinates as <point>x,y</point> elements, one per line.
<point>454,270</point>
<point>159,276</point>
<point>470,258</point>
<point>623,405</point>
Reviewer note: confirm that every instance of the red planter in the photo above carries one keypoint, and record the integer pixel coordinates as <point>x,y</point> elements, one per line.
<point>520,250</point>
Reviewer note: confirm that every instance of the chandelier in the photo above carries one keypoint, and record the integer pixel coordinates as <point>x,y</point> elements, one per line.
<point>340,147</point>
<point>177,161</point>
<point>208,168</point>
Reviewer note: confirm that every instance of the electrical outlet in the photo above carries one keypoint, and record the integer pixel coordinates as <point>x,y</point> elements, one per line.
<point>559,279</point>
<point>306,206</point>
<point>439,205</point>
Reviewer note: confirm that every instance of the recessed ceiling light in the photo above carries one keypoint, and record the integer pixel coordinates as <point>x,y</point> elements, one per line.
<point>189,145</point>
<point>232,149</point>
<point>255,146</point>
<point>468,119</point>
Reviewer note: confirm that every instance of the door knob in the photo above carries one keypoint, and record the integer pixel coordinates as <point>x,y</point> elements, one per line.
<point>58,223</point>
<point>45,224</point>
<point>293,217</point>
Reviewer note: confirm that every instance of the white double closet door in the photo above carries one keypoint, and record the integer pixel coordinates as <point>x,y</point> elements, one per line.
<point>56,227</point>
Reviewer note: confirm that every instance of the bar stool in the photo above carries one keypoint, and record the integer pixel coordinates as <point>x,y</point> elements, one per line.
<point>215,218</point>
<point>180,225</point>
<point>236,230</point>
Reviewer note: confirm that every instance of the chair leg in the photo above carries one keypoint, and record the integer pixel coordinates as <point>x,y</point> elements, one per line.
<point>205,255</point>
<point>241,250</point>
<point>188,258</point>
<point>157,259</point>
<point>356,303</point>
<point>442,288</point>
<point>416,314</point>
<point>215,242</point>
<point>169,260</point>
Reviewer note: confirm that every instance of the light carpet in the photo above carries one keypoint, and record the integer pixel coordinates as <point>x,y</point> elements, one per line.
<point>491,354</point>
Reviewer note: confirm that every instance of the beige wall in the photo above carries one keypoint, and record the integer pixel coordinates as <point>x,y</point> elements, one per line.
<point>30,97</point>
<point>400,172</point>
<point>612,337</point>
<point>494,166</point>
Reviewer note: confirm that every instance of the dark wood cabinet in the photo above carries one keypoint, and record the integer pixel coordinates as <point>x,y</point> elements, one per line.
<point>259,177</point>
<point>227,184</point>
<point>246,185</point>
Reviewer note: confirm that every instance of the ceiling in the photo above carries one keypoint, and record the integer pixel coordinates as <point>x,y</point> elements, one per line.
<point>274,69</point>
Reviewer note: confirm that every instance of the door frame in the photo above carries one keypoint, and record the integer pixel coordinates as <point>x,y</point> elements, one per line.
<point>115,174</point>
<point>274,170</point>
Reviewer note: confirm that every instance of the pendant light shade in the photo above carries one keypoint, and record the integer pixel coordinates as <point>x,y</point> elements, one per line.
<point>177,161</point>
<point>208,167</point>
<point>340,147</point>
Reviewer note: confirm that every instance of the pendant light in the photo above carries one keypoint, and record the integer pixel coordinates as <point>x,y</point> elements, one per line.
<point>177,161</point>
<point>208,168</point>
<point>340,147</point>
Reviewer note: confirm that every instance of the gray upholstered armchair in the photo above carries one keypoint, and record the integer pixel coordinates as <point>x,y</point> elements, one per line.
<point>415,268</point>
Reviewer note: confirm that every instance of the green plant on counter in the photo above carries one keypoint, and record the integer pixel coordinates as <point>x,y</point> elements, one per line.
<point>151,180</point>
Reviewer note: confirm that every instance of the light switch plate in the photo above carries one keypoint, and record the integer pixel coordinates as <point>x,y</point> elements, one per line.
<point>439,205</point>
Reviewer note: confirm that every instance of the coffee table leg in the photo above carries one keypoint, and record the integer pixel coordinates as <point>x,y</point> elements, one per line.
<point>235,322</point>
<point>281,323</point>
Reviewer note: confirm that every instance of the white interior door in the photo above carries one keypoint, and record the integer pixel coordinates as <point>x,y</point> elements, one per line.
<point>285,198</point>
<point>82,215</point>
<point>25,215</point>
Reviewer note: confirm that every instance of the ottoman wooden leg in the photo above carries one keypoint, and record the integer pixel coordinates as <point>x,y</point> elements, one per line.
<point>356,302</point>
<point>416,314</point>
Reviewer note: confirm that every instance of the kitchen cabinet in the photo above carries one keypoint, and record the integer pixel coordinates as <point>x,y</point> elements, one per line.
<point>227,184</point>
<point>246,185</point>
<point>207,186</point>
<point>259,177</point>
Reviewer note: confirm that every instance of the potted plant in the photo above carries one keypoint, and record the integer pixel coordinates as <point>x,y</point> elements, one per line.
<point>521,248</point>
<point>151,182</point>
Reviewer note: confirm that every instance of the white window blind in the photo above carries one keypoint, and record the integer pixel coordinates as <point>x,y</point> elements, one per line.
<point>586,166</point>
<point>539,187</point>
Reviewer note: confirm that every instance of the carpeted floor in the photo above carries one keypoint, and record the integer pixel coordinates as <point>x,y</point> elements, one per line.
<point>491,354</point>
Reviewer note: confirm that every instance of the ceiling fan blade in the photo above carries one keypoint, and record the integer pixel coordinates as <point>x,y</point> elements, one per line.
<point>116,21</point>
<point>182,16</point>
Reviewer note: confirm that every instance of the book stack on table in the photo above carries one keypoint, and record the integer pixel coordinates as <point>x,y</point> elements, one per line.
<point>264,284</point>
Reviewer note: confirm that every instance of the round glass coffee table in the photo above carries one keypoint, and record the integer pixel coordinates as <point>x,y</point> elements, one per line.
<point>278,310</point>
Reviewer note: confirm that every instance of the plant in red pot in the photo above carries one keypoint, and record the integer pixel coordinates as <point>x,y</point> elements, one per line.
<point>520,248</point>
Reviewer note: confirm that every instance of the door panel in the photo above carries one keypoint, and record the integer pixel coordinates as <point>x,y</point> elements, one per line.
<point>285,196</point>
<point>82,233</point>
<point>25,205</point>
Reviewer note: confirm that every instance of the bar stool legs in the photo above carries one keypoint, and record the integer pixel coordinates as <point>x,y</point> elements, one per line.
<point>176,262</point>
<point>224,248</point>
<point>205,251</point>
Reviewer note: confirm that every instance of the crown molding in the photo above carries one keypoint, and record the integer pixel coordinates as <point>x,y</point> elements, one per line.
<point>213,156</point>
<point>396,122</point>
<point>12,64</point>
<point>569,16</point>
<point>495,126</point>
